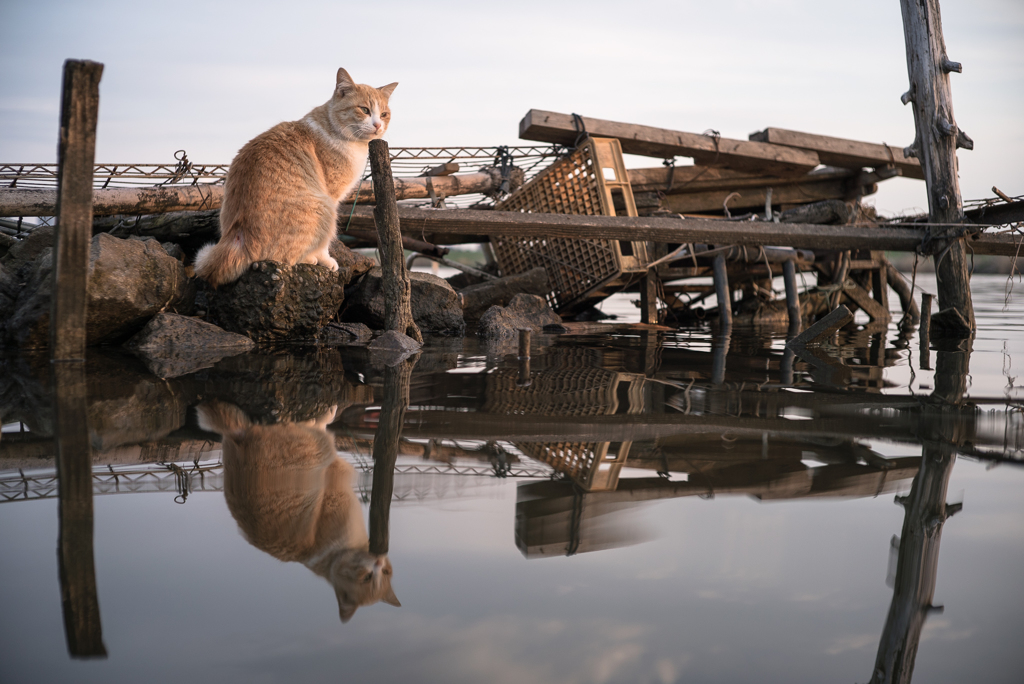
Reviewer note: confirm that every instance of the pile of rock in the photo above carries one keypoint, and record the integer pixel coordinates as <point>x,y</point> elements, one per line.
<point>143,294</point>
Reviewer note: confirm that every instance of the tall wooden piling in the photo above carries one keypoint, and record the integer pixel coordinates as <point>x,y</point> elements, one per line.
<point>385,451</point>
<point>79,598</point>
<point>76,152</point>
<point>935,145</point>
<point>395,278</point>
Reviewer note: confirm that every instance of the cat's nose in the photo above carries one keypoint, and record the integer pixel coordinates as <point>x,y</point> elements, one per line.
<point>377,125</point>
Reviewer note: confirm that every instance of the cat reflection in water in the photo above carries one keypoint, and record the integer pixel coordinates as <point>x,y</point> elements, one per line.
<point>292,497</point>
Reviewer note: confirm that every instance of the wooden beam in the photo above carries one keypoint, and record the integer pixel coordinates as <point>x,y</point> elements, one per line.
<point>673,230</point>
<point>851,154</point>
<point>76,152</point>
<point>690,179</point>
<point>160,200</point>
<point>552,127</point>
<point>754,197</point>
<point>935,145</point>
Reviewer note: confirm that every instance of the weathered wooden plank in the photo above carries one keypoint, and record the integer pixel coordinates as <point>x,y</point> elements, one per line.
<point>76,152</point>
<point>697,178</point>
<point>754,197</point>
<point>935,145</point>
<point>823,328</point>
<point>159,200</point>
<point>553,127</point>
<point>851,154</point>
<point>673,230</point>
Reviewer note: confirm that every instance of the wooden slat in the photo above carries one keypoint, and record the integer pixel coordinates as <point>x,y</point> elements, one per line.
<point>554,127</point>
<point>842,152</point>
<point>660,229</point>
<point>751,198</point>
<point>690,179</point>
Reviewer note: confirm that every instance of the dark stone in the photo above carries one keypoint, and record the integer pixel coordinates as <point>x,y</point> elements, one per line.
<point>172,345</point>
<point>524,311</point>
<point>391,348</point>
<point>34,244</point>
<point>950,323</point>
<point>129,282</point>
<point>347,334</point>
<point>435,306</point>
<point>274,302</point>
<point>355,263</point>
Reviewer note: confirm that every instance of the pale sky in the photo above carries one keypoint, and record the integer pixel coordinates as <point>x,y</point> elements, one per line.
<point>208,76</point>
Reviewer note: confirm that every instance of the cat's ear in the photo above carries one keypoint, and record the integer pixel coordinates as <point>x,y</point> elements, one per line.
<point>346,607</point>
<point>222,418</point>
<point>390,598</point>
<point>343,83</point>
<point>388,89</point>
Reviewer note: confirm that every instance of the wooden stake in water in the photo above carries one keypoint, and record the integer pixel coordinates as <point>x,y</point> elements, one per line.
<point>938,138</point>
<point>76,152</point>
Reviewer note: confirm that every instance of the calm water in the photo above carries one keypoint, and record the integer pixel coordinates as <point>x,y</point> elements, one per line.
<point>634,507</point>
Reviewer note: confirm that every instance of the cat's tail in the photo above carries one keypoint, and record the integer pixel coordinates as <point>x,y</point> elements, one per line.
<point>223,418</point>
<point>223,262</point>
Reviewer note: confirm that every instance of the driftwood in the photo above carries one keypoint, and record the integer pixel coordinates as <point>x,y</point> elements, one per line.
<point>553,127</point>
<point>76,151</point>
<point>161,200</point>
<point>396,286</point>
<point>672,230</point>
<point>851,154</point>
<point>476,299</point>
<point>827,211</point>
<point>937,140</point>
<point>810,190</point>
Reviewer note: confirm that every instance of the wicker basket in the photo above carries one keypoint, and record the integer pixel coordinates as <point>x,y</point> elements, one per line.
<point>572,385</point>
<point>581,272</point>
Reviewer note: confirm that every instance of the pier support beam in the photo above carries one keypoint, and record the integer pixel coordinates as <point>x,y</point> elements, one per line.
<point>938,138</point>
<point>721,277</point>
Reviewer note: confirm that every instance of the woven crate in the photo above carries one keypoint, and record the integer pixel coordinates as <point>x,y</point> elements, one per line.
<point>572,385</point>
<point>581,272</point>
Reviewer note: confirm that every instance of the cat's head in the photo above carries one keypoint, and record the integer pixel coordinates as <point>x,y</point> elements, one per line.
<point>360,112</point>
<point>361,578</point>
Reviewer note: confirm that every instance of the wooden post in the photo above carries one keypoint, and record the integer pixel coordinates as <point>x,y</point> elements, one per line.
<point>385,451</point>
<point>935,146</point>
<point>76,152</point>
<point>396,284</point>
<point>925,330</point>
<point>82,626</point>
<point>649,298</point>
<point>524,379</point>
<point>721,278</point>
<point>792,297</point>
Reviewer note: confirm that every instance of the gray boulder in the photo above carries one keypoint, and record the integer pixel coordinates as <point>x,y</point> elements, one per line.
<point>129,282</point>
<point>524,311</point>
<point>435,306</point>
<point>171,345</point>
<point>275,302</point>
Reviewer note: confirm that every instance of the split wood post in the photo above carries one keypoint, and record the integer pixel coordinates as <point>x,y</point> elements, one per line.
<point>792,296</point>
<point>82,626</point>
<point>396,285</point>
<point>925,330</point>
<point>385,451</point>
<point>935,145</point>
<point>76,152</point>
<point>721,279</point>
<point>649,297</point>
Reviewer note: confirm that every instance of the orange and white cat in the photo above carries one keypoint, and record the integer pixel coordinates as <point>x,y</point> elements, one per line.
<point>293,497</point>
<point>282,189</point>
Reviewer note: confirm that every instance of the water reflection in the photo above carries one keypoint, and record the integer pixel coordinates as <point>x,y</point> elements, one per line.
<point>595,427</point>
<point>292,497</point>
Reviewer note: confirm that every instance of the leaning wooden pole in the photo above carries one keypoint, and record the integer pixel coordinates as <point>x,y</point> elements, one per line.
<point>935,145</point>
<point>76,152</point>
<point>396,284</point>
<point>385,451</point>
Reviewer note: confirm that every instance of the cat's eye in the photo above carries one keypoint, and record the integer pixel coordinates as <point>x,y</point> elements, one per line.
<point>385,115</point>
<point>365,110</point>
<point>367,577</point>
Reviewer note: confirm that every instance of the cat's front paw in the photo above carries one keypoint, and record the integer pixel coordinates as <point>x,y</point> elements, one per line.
<point>328,261</point>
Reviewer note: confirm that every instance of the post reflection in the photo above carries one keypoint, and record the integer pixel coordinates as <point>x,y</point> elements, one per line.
<point>293,497</point>
<point>82,627</point>
<point>926,511</point>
